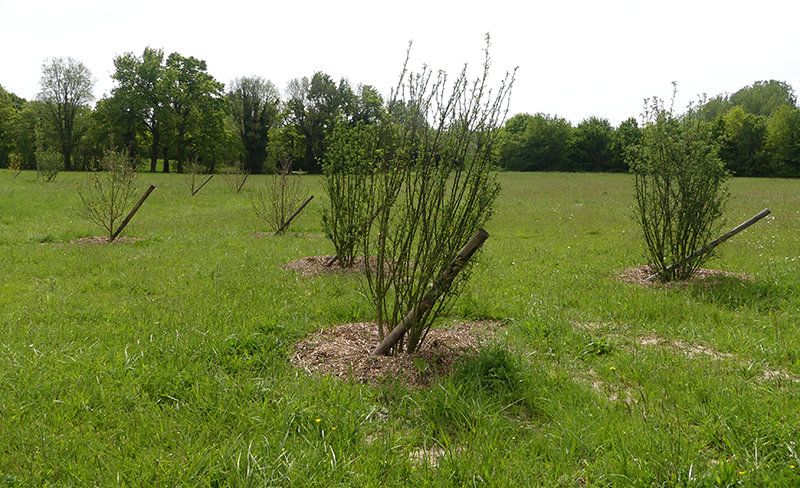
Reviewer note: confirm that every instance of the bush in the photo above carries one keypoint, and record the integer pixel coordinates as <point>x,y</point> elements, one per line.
<point>235,176</point>
<point>280,196</point>
<point>349,160</point>
<point>48,163</point>
<point>432,186</point>
<point>107,197</point>
<point>679,187</point>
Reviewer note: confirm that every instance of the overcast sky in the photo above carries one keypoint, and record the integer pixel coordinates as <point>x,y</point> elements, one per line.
<point>576,58</point>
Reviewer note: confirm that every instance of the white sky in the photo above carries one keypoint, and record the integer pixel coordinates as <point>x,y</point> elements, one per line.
<point>576,58</point>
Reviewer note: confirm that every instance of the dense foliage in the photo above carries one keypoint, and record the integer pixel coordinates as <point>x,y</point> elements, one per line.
<point>170,109</point>
<point>679,187</point>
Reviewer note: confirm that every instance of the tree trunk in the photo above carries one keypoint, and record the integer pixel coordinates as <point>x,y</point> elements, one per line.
<point>166,161</point>
<point>154,151</point>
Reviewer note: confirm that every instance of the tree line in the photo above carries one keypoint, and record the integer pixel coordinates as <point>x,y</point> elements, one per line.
<point>168,109</point>
<point>756,131</point>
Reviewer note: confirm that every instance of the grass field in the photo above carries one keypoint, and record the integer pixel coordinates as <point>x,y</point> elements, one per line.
<point>164,361</point>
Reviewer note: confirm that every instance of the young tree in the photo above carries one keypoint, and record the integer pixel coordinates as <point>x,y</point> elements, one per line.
<point>108,195</point>
<point>679,186</point>
<point>280,196</point>
<point>66,87</point>
<point>432,187</point>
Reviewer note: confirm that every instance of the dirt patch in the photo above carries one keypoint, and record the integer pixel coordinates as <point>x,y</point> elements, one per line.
<point>638,275</point>
<point>691,350</point>
<point>86,241</point>
<point>778,375</point>
<point>344,351</point>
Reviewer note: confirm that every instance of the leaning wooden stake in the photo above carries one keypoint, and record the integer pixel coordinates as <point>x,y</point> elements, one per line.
<point>439,288</point>
<point>135,209</point>
<point>201,186</point>
<point>286,224</point>
<point>244,180</point>
<point>716,242</point>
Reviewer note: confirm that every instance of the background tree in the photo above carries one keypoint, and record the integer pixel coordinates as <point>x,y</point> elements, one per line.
<point>626,135</point>
<point>9,117</point>
<point>254,104</point>
<point>287,147</point>
<point>783,141</point>
<point>25,131</point>
<point>140,95</point>
<point>763,97</point>
<point>194,99</point>
<point>66,88</point>
<point>536,143</point>
<point>315,106</point>
<point>368,106</point>
<point>589,147</point>
<point>741,138</point>
<point>714,108</point>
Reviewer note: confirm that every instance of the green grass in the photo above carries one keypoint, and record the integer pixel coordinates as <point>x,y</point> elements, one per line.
<point>164,361</point>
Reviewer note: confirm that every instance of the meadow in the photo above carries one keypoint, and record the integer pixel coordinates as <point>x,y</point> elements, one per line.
<point>165,361</point>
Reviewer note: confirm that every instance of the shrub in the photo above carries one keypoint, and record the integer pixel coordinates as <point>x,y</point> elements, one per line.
<point>48,163</point>
<point>432,184</point>
<point>280,196</point>
<point>235,176</point>
<point>107,197</point>
<point>15,164</point>
<point>679,187</point>
<point>349,160</point>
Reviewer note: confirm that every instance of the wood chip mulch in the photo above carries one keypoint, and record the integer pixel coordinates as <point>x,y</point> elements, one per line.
<point>638,275</point>
<point>344,351</point>
<point>86,241</point>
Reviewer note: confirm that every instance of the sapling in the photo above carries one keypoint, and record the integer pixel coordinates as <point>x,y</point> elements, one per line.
<point>108,194</point>
<point>279,198</point>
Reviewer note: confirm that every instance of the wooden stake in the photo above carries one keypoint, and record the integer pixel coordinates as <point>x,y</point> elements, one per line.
<point>286,224</point>
<point>201,186</point>
<point>716,242</point>
<point>135,209</point>
<point>439,288</point>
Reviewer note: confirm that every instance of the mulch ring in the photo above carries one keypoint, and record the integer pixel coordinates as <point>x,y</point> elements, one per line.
<point>316,266</point>
<point>261,235</point>
<point>344,351</point>
<point>638,275</point>
<point>86,241</point>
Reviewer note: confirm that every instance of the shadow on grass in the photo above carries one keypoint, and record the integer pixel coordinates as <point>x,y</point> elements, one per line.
<point>737,293</point>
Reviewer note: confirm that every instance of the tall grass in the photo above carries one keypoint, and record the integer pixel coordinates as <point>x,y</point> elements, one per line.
<point>165,361</point>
